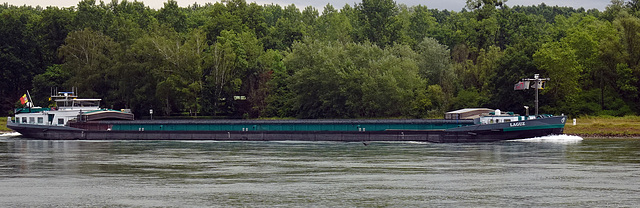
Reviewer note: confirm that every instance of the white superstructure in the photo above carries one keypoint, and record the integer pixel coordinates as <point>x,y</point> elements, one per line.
<point>498,117</point>
<point>67,108</point>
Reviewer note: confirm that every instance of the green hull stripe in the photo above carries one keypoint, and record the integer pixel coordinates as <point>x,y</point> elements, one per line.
<point>281,127</point>
<point>524,128</point>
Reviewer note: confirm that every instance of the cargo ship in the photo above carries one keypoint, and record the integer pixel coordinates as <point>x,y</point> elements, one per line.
<point>83,119</point>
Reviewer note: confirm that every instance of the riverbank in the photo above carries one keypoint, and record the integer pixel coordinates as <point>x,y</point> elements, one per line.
<point>589,126</point>
<point>3,127</point>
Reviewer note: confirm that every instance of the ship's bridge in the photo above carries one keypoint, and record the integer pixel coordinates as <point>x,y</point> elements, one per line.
<point>78,104</point>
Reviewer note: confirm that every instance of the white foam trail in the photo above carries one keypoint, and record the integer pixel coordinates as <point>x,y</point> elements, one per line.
<point>561,139</point>
<point>11,134</point>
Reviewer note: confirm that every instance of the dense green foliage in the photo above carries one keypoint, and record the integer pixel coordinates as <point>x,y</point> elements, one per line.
<point>372,59</point>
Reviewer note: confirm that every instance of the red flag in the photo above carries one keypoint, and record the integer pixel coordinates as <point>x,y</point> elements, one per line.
<point>24,99</point>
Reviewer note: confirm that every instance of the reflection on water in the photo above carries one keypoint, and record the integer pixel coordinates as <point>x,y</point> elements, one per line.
<point>591,172</point>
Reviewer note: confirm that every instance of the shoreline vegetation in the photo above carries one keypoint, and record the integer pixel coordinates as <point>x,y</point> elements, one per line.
<point>365,59</point>
<point>604,126</point>
<point>588,126</point>
<point>3,127</point>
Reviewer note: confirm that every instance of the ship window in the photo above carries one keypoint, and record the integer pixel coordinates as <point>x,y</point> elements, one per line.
<point>17,120</point>
<point>40,120</point>
<point>24,119</point>
<point>507,120</point>
<point>32,120</point>
<point>60,121</point>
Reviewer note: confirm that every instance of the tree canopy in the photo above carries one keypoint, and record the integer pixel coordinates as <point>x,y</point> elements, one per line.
<point>373,59</point>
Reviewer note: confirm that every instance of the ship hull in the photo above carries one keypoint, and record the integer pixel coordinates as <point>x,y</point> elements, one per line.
<point>464,133</point>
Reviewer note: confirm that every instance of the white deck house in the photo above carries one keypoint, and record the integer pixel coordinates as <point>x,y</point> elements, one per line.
<point>486,115</point>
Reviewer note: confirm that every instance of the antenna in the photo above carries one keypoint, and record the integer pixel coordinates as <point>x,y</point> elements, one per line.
<point>538,85</point>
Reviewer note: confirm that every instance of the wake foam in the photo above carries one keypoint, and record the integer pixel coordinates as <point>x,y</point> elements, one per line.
<point>561,139</point>
<point>11,134</point>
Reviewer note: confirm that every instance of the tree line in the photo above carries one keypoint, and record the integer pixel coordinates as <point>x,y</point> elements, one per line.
<point>373,59</point>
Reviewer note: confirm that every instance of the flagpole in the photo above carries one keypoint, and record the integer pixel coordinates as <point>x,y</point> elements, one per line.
<point>30,100</point>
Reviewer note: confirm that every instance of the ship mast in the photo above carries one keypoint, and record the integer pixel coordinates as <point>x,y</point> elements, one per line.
<point>538,84</point>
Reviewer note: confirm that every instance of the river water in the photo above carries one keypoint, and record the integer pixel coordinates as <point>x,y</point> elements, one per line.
<point>556,171</point>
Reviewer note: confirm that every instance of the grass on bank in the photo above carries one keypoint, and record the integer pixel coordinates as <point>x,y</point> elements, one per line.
<point>3,125</point>
<point>604,126</point>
